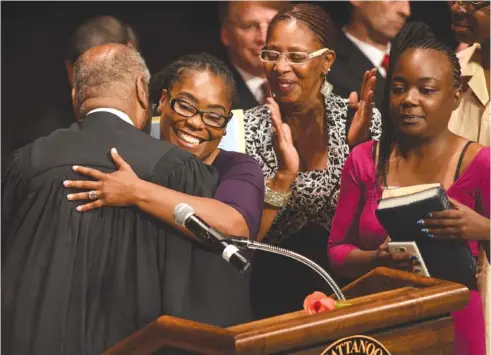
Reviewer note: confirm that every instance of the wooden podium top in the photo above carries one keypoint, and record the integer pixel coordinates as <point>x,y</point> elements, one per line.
<point>381,299</point>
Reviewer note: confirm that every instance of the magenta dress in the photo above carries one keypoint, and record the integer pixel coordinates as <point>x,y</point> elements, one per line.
<point>355,226</point>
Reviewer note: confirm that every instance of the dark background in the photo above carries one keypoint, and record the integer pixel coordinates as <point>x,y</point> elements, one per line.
<point>35,35</point>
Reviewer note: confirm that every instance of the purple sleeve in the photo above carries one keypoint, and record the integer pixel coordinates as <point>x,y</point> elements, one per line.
<point>344,237</point>
<point>241,186</point>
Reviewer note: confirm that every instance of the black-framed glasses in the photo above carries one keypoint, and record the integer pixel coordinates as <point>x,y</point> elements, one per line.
<point>270,56</point>
<point>469,5</point>
<point>211,119</point>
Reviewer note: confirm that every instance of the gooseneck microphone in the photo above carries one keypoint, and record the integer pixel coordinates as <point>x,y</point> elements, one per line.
<point>184,216</point>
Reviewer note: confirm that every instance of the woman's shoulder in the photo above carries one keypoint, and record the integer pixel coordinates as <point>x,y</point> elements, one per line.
<point>476,159</point>
<point>235,162</point>
<point>256,114</point>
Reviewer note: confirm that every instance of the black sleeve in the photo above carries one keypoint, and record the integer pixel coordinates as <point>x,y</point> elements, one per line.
<point>181,171</point>
<point>12,193</point>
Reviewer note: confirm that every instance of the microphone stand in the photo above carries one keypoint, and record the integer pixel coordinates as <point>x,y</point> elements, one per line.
<point>249,244</point>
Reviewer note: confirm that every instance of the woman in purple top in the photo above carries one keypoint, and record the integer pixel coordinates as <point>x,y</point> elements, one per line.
<point>195,94</point>
<point>416,148</point>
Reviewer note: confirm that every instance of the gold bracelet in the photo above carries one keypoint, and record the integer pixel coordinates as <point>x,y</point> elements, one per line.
<point>275,198</point>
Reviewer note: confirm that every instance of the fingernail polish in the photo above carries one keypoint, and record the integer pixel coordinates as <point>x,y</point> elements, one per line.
<point>429,235</point>
<point>65,183</point>
<point>420,222</point>
<point>69,197</point>
<point>413,257</point>
<point>428,215</point>
<point>79,208</point>
<point>425,230</point>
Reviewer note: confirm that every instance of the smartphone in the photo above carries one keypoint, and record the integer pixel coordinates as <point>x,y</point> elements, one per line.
<point>411,248</point>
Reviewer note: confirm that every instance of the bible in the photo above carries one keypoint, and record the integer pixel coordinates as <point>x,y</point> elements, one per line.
<point>399,211</point>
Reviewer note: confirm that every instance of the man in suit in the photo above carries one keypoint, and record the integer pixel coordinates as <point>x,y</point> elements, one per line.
<point>77,283</point>
<point>364,44</point>
<point>243,34</point>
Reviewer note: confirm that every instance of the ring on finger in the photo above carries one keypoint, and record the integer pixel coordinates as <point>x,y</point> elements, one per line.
<point>93,195</point>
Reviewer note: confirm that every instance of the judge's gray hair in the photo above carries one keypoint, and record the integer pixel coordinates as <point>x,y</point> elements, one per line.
<point>110,70</point>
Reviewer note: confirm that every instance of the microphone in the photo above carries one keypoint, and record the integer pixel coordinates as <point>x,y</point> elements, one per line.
<point>184,216</point>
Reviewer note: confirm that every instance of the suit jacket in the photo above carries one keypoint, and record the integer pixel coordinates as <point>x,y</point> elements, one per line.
<point>347,72</point>
<point>244,99</point>
<point>77,283</point>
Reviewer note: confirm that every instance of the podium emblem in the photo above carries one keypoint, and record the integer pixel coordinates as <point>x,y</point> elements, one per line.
<point>356,345</point>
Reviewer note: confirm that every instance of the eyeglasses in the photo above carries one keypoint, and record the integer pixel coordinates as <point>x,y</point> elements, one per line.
<point>470,5</point>
<point>211,119</point>
<point>291,57</point>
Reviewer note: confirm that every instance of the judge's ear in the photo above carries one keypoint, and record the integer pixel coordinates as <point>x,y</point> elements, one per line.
<point>69,71</point>
<point>75,105</point>
<point>142,92</point>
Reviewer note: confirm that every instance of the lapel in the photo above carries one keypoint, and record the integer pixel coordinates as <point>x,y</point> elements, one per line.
<point>355,64</point>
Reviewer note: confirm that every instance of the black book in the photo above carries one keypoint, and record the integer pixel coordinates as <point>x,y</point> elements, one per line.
<point>398,212</point>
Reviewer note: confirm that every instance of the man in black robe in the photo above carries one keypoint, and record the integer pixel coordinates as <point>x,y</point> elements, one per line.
<point>77,283</point>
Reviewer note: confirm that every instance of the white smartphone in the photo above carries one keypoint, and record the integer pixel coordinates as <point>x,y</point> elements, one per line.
<point>411,248</point>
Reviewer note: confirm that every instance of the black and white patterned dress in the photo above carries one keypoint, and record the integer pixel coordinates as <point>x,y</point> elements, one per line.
<point>315,192</point>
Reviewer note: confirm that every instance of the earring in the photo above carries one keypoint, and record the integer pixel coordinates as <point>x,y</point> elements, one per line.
<point>326,88</point>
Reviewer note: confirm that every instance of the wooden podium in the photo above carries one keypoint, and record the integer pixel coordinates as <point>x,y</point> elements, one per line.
<point>408,314</point>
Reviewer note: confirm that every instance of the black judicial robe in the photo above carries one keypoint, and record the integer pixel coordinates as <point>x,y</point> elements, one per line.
<point>78,282</point>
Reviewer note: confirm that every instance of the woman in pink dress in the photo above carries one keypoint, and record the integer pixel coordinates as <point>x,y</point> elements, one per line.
<point>416,147</point>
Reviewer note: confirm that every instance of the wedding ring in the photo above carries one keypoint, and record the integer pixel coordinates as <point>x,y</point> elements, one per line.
<point>92,195</point>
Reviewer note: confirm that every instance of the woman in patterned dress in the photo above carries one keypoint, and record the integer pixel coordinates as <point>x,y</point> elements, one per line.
<point>300,138</point>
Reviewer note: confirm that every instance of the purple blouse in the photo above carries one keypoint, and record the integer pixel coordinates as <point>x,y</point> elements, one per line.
<point>355,226</point>
<point>241,186</point>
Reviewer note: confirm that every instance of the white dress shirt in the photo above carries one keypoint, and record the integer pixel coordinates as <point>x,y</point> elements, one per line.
<point>254,83</point>
<point>375,55</point>
<point>118,113</point>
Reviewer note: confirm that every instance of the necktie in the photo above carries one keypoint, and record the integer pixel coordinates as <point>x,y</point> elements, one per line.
<point>385,63</point>
<point>266,90</point>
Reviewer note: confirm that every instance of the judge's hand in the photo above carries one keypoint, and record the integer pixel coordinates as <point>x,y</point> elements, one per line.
<point>459,223</point>
<point>286,153</point>
<point>397,260</point>
<point>115,189</point>
<point>359,131</point>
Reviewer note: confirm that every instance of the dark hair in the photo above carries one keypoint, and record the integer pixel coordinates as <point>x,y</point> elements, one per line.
<point>412,35</point>
<point>166,78</point>
<point>98,31</point>
<point>315,18</point>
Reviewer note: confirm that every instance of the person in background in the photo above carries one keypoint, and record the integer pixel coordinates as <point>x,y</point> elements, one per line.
<point>77,283</point>
<point>470,23</point>
<point>364,43</point>
<point>301,143</point>
<point>416,147</point>
<point>57,111</point>
<point>243,34</point>
<point>195,99</point>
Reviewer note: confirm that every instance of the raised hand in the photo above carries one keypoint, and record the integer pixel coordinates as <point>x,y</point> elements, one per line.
<point>459,223</point>
<point>115,189</point>
<point>286,153</point>
<point>359,130</point>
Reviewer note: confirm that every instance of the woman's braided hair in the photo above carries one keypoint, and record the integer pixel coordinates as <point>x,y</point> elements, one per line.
<point>314,17</point>
<point>168,76</point>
